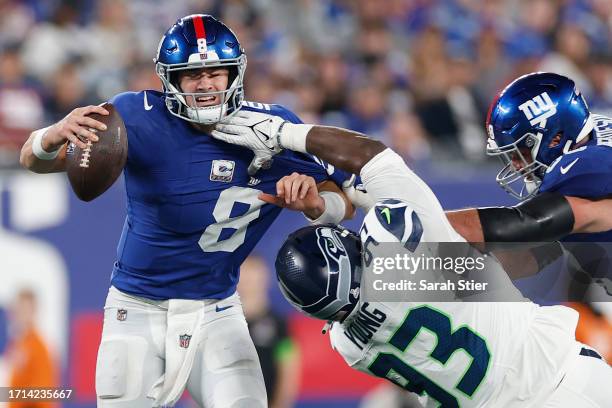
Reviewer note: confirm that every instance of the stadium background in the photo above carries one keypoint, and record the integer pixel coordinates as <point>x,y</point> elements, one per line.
<point>417,74</point>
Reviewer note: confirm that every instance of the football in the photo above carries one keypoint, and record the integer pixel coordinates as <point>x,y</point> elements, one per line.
<point>95,168</point>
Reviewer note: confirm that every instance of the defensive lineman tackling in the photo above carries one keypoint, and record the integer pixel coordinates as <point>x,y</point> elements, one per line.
<point>452,354</point>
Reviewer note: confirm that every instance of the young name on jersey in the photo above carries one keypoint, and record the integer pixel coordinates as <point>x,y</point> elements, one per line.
<point>364,326</point>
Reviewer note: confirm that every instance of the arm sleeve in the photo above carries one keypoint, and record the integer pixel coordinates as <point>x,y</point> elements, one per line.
<point>124,103</point>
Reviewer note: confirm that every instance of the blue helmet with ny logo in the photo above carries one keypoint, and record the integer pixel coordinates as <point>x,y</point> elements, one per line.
<point>533,121</point>
<point>195,42</point>
<point>319,271</point>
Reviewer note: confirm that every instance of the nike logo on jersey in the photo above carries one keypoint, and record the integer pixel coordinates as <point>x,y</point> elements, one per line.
<point>387,214</point>
<point>220,309</point>
<point>568,167</point>
<point>146,103</point>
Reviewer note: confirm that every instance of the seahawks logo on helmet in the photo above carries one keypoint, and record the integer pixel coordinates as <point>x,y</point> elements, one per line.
<point>319,271</point>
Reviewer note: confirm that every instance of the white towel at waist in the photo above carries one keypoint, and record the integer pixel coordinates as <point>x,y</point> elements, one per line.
<point>185,318</point>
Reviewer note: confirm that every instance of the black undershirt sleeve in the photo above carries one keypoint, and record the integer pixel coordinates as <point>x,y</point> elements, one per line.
<point>544,218</point>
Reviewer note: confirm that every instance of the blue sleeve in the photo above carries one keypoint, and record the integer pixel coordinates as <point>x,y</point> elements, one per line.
<point>131,108</point>
<point>271,109</point>
<point>124,102</point>
<point>586,173</point>
<point>286,114</point>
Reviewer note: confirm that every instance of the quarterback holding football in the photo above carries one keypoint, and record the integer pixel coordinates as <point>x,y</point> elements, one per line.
<point>172,316</point>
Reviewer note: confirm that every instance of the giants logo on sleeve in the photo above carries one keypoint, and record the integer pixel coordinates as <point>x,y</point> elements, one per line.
<point>538,109</point>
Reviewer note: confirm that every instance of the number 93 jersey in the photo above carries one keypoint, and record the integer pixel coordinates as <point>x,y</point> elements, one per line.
<point>454,354</point>
<point>192,210</point>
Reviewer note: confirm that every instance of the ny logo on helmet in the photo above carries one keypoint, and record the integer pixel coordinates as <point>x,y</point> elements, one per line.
<point>538,109</point>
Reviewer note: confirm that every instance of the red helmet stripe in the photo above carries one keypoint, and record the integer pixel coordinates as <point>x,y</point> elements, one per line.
<point>490,112</point>
<point>198,24</point>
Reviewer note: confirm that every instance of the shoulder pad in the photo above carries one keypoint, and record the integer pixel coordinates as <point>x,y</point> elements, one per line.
<point>585,172</point>
<point>271,109</point>
<point>127,103</point>
<point>124,98</point>
<point>394,220</point>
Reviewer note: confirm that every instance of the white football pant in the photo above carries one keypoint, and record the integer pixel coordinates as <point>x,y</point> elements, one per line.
<point>225,372</point>
<point>587,384</point>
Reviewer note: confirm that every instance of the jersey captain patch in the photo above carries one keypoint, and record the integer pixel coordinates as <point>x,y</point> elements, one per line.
<point>222,170</point>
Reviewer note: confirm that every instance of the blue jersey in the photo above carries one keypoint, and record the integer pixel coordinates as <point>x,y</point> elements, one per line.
<point>585,172</point>
<point>193,214</point>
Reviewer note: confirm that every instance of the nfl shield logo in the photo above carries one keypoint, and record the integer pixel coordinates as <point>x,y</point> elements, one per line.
<point>184,340</point>
<point>121,315</point>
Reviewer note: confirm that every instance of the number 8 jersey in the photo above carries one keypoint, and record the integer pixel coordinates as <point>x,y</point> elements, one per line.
<point>193,214</point>
<point>452,354</point>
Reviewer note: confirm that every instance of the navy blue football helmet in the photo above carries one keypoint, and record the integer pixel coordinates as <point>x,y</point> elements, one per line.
<point>541,115</point>
<point>319,271</point>
<point>201,41</point>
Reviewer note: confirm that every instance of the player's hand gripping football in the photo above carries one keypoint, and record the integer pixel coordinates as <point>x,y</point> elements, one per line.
<point>255,131</point>
<point>75,127</point>
<point>297,192</point>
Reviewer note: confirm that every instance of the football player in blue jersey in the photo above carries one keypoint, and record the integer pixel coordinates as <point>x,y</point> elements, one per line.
<point>557,159</point>
<point>172,317</point>
<point>541,128</point>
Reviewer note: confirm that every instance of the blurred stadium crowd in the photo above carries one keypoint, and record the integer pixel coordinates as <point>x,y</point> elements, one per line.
<point>418,74</point>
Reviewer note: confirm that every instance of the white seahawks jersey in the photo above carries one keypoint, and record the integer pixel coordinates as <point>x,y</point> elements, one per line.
<point>452,354</point>
<point>462,354</point>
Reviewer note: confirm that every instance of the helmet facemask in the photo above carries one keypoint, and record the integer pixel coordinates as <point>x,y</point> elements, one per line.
<point>230,98</point>
<point>519,176</point>
<point>541,113</point>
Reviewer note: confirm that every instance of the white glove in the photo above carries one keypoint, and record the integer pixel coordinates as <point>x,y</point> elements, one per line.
<point>358,196</point>
<point>256,131</point>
